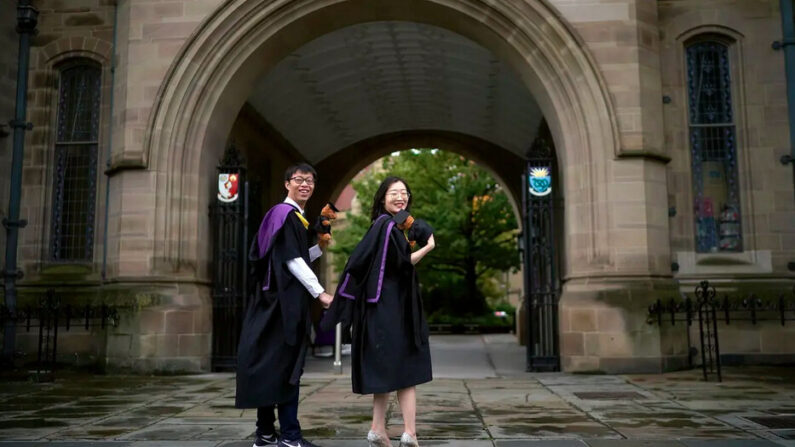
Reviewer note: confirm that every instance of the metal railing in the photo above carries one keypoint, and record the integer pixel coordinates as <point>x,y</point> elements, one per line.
<point>47,316</point>
<point>708,310</point>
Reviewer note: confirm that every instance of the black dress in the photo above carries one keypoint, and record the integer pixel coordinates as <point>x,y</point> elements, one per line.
<point>276,328</point>
<point>379,297</point>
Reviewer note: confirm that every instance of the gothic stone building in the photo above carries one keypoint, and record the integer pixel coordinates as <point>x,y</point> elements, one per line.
<point>668,120</point>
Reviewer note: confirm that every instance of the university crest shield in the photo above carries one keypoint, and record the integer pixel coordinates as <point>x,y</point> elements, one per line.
<point>227,187</point>
<point>540,182</point>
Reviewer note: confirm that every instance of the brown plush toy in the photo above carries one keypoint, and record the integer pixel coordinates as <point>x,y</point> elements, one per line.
<point>404,220</point>
<point>323,225</point>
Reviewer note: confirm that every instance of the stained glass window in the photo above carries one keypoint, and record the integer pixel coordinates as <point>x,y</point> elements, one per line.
<point>75,170</point>
<point>713,148</point>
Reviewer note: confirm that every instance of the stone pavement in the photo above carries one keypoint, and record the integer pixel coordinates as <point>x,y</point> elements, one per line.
<point>480,397</point>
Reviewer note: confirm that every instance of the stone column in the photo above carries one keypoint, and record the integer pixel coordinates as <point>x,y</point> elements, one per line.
<point>610,282</point>
<point>167,322</point>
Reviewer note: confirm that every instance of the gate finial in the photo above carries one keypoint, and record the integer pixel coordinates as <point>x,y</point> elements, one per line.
<point>232,159</point>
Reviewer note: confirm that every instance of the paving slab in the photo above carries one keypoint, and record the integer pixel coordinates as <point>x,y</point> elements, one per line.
<point>113,444</point>
<point>728,443</point>
<point>480,396</point>
<point>633,443</point>
<point>550,443</point>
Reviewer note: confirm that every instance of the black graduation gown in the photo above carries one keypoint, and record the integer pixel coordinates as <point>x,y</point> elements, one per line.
<point>276,328</point>
<point>379,297</point>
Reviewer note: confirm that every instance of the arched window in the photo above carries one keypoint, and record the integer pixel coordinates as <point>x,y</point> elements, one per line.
<point>75,170</point>
<point>713,147</point>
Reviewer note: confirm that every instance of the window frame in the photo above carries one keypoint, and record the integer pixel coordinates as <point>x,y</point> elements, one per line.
<point>736,129</point>
<point>60,152</point>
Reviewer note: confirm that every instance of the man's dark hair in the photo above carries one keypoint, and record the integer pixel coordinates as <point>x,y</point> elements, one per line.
<point>303,167</point>
<point>380,195</point>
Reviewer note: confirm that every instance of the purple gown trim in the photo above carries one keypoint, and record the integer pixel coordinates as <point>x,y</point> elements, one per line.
<point>380,271</point>
<point>271,224</point>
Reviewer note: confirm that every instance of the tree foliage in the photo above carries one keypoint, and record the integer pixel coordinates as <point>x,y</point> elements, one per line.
<point>474,226</point>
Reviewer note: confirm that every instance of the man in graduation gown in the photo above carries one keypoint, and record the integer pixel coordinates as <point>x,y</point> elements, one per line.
<point>276,328</point>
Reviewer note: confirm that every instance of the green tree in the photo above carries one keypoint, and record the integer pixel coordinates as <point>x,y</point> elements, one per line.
<point>474,226</point>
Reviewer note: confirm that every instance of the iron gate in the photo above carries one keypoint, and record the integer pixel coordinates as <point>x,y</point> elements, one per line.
<point>229,222</point>
<point>541,282</point>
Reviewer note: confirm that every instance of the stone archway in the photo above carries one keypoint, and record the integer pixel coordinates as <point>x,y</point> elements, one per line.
<point>505,166</point>
<point>611,269</point>
<point>213,75</point>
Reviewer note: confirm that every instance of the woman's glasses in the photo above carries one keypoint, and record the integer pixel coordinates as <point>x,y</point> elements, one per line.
<point>396,194</point>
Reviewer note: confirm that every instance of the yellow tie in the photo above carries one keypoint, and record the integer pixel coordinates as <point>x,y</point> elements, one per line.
<point>303,220</point>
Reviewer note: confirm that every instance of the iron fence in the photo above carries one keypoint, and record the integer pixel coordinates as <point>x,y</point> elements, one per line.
<point>47,316</point>
<point>707,309</point>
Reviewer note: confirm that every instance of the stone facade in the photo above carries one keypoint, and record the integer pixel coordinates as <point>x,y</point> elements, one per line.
<point>174,92</point>
<point>765,185</point>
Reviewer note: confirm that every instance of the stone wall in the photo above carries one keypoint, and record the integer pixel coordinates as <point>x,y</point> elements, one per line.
<point>151,36</point>
<point>177,99</point>
<point>603,303</point>
<point>765,186</point>
<point>166,328</point>
<point>66,30</point>
<point>760,108</point>
<point>267,155</point>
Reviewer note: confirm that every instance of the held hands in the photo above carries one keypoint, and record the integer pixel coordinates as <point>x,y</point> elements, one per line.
<point>325,299</point>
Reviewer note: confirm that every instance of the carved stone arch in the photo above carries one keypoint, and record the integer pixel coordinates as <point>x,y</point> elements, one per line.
<point>730,35</point>
<point>66,47</point>
<point>213,75</point>
<point>502,164</point>
<point>720,20</point>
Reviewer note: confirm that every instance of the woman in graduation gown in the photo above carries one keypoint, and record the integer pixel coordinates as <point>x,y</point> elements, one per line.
<point>379,297</point>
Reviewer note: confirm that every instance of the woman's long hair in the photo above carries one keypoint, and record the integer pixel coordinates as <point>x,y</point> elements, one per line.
<point>380,195</point>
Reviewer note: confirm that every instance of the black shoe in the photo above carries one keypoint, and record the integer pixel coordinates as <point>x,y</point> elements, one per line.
<point>300,443</point>
<point>262,440</point>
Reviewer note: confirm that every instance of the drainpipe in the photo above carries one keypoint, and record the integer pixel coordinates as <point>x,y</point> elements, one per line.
<point>110,142</point>
<point>788,45</point>
<point>27,18</point>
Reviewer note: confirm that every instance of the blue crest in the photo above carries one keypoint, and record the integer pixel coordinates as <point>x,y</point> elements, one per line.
<point>540,182</point>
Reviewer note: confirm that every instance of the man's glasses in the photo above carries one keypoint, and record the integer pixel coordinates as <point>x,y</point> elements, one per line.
<point>299,180</point>
<point>396,194</point>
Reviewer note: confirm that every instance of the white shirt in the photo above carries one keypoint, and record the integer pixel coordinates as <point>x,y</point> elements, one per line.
<point>299,268</point>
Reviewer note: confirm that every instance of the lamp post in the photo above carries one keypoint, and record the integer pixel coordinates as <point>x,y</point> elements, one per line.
<point>27,18</point>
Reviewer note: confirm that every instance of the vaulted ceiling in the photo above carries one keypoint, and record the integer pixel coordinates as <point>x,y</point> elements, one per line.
<point>377,78</point>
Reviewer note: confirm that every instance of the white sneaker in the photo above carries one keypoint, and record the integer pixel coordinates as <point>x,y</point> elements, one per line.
<point>262,440</point>
<point>324,351</point>
<point>408,441</point>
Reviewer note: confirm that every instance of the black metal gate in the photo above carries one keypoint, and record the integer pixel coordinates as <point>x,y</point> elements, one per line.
<point>541,281</point>
<point>229,222</point>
